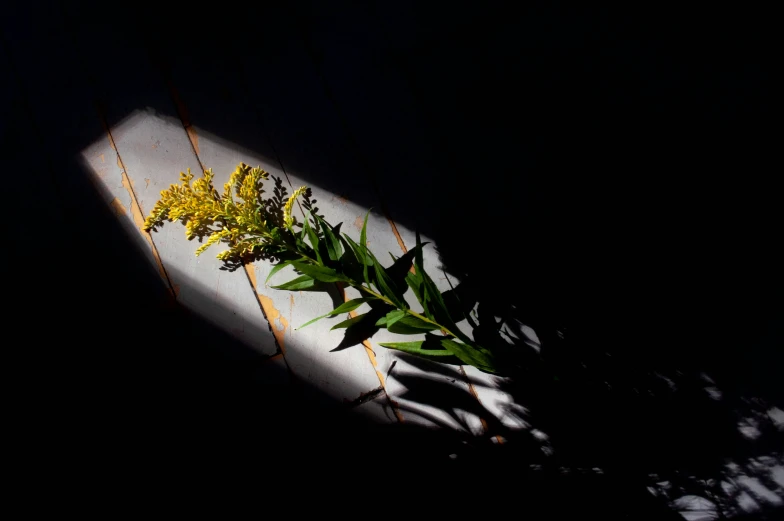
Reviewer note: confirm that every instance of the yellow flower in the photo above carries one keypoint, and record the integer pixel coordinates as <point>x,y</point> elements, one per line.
<point>204,212</point>
<point>287,218</point>
<point>214,238</point>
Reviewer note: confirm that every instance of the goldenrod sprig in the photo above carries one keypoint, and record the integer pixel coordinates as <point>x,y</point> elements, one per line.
<point>248,226</point>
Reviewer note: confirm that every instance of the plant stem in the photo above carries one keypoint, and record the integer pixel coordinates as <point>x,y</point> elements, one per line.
<point>406,310</point>
<point>359,286</point>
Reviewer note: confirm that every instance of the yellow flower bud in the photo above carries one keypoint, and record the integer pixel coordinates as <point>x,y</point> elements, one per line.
<point>287,218</point>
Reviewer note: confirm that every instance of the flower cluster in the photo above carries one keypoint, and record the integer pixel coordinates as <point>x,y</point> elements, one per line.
<point>287,218</point>
<point>244,223</point>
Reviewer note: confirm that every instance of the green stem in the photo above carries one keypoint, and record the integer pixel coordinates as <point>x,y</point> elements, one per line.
<point>406,310</point>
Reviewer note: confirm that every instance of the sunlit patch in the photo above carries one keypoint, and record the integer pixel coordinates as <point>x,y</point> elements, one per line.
<point>144,154</point>
<point>749,428</point>
<point>777,417</point>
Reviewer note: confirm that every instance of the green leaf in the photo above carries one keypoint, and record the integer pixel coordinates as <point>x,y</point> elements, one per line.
<point>363,232</point>
<point>363,245</point>
<point>321,273</point>
<point>393,316</point>
<point>360,252</point>
<point>415,348</point>
<point>351,305</point>
<point>400,322</point>
<point>414,281</point>
<point>401,267</point>
<point>471,355</point>
<point>349,262</point>
<point>309,322</point>
<point>301,282</point>
<point>313,236</point>
<point>348,323</point>
<point>432,301</point>
<point>334,248</point>
<point>433,296</point>
<point>418,258</point>
<point>410,325</point>
<point>349,249</point>
<point>385,284</point>
<point>276,269</point>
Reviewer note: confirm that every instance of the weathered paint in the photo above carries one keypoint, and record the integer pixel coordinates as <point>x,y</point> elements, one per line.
<point>277,321</point>
<point>342,375</point>
<point>220,297</point>
<point>138,219</point>
<point>280,326</point>
<point>310,113</point>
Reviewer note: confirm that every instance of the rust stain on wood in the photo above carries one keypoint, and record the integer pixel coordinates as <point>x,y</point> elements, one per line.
<point>138,219</point>
<point>249,269</point>
<point>136,211</point>
<point>397,235</point>
<point>118,207</point>
<point>278,323</point>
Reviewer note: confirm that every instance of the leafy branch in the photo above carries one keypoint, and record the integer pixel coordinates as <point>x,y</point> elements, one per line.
<point>254,227</point>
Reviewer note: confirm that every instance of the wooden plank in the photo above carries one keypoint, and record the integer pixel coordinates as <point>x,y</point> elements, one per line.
<point>114,186</point>
<point>343,376</point>
<point>84,291</point>
<point>425,393</point>
<point>155,152</point>
<point>384,133</point>
<point>308,137</point>
<point>153,148</point>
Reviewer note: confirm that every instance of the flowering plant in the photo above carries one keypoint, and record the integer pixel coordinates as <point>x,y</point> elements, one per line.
<point>254,227</point>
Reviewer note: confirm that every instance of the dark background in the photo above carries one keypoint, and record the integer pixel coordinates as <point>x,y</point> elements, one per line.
<point>605,176</point>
